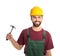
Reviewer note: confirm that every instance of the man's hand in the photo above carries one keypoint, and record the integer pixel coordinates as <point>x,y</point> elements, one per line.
<point>9,36</point>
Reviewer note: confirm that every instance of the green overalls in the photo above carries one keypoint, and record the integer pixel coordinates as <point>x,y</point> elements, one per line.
<point>34,47</point>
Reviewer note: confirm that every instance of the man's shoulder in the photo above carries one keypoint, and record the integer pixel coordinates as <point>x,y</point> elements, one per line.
<point>24,30</point>
<point>47,32</point>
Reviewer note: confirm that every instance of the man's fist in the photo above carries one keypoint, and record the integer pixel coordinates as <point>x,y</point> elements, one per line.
<point>9,36</point>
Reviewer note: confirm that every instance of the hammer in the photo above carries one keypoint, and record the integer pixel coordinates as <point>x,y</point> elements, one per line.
<point>11,29</point>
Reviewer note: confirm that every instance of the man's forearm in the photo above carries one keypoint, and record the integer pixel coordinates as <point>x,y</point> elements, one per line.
<point>15,44</point>
<point>48,53</point>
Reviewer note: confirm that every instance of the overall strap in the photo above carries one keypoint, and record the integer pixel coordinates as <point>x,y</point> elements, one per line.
<point>28,33</point>
<point>44,35</point>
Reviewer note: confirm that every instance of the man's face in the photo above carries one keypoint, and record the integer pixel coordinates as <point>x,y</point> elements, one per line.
<point>36,20</point>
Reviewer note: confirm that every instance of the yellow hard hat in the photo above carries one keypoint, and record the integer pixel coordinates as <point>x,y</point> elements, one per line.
<point>36,11</point>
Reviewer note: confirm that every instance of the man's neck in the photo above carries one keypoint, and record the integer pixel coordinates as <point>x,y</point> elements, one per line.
<point>37,28</point>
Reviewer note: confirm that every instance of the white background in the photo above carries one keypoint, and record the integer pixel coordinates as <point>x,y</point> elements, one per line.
<point>16,12</point>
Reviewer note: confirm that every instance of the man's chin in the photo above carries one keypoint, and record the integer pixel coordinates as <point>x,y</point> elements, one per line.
<point>36,25</point>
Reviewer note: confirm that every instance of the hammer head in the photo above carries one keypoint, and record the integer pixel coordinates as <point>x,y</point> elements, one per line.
<point>13,26</point>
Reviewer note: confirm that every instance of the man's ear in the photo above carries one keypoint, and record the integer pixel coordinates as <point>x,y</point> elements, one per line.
<point>31,17</point>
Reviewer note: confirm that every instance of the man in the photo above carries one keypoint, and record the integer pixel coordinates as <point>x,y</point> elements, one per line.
<point>32,37</point>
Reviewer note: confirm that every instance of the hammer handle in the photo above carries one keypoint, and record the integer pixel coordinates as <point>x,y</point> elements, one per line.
<point>10,32</point>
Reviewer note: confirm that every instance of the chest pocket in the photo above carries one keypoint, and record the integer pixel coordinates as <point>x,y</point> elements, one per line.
<point>34,47</point>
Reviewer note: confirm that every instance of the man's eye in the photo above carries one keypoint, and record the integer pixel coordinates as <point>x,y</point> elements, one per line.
<point>34,17</point>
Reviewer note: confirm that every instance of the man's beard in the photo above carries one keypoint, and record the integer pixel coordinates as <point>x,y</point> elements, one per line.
<point>36,25</point>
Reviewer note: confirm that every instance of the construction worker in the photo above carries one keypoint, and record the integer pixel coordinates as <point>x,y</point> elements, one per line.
<point>37,41</point>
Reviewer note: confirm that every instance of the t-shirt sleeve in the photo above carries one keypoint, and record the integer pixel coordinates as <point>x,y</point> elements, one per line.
<point>49,43</point>
<point>21,39</point>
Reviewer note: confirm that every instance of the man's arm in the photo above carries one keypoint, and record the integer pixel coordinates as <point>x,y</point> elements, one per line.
<point>48,53</point>
<point>14,43</point>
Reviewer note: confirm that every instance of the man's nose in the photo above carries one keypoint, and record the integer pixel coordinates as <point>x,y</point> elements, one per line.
<point>37,18</point>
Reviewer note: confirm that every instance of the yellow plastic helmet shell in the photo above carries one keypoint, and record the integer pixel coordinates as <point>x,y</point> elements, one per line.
<point>36,11</point>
